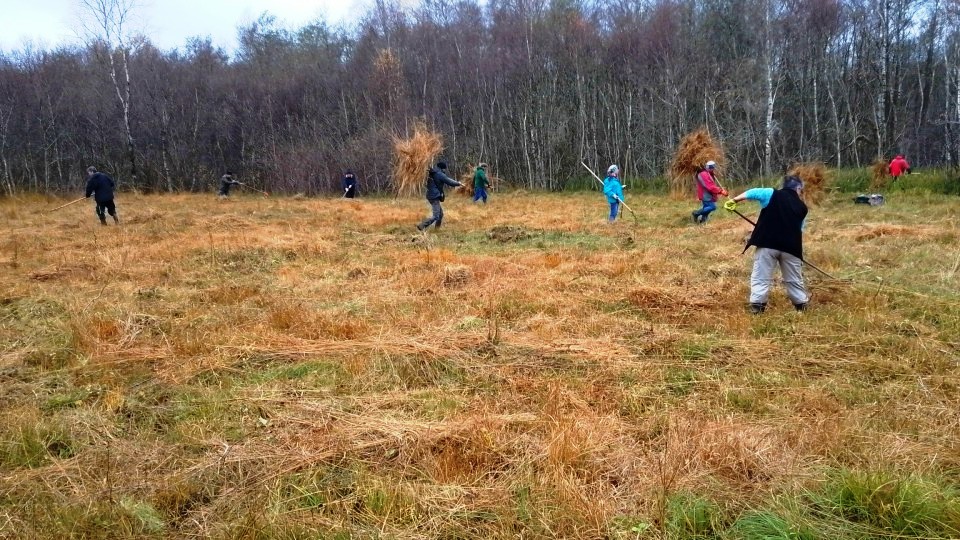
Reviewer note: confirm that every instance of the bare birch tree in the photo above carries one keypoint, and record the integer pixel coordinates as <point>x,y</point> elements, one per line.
<point>107,23</point>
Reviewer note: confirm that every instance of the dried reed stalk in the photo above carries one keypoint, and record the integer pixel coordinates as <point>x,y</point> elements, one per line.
<point>413,158</point>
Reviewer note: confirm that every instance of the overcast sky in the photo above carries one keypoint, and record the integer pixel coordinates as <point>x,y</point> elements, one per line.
<point>168,23</point>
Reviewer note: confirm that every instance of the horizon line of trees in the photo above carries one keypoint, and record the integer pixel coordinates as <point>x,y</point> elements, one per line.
<point>529,86</point>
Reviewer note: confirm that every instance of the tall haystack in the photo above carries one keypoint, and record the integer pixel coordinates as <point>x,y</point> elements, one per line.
<point>815,177</point>
<point>693,152</point>
<point>467,180</point>
<point>879,174</point>
<point>413,157</point>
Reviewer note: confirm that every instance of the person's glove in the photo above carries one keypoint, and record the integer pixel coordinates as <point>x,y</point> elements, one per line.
<point>723,192</point>
<point>730,205</point>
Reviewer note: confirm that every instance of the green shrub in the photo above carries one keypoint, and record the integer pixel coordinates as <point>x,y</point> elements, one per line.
<point>904,506</point>
<point>692,517</point>
<point>31,445</point>
<point>766,525</point>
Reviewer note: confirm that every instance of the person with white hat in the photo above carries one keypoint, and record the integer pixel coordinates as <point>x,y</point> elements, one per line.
<point>613,189</point>
<point>708,192</point>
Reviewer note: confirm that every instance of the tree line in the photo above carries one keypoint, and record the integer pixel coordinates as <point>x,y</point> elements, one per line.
<point>529,86</point>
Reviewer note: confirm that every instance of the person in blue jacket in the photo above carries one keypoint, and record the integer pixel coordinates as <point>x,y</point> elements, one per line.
<point>436,180</point>
<point>613,189</point>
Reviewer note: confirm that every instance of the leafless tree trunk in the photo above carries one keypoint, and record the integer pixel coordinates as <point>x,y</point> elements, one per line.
<point>107,23</point>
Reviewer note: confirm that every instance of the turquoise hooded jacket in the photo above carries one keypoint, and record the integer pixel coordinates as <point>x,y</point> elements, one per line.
<point>613,189</point>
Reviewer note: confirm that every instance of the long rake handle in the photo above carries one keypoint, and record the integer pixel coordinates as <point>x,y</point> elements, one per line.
<point>601,185</point>
<point>599,181</point>
<point>750,221</point>
<point>265,194</point>
<point>65,205</point>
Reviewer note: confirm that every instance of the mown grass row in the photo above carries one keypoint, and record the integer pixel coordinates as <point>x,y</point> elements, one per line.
<point>314,369</point>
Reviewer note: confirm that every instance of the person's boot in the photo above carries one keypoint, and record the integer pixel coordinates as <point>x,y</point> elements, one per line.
<point>103,221</point>
<point>758,307</point>
<point>116,219</point>
<point>696,218</point>
<point>800,307</point>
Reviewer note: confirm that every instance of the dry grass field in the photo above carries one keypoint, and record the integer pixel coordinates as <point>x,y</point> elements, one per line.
<point>310,368</point>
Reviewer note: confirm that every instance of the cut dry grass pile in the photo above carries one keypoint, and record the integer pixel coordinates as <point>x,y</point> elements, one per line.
<point>879,174</point>
<point>816,180</point>
<point>298,368</point>
<point>693,152</point>
<point>412,159</point>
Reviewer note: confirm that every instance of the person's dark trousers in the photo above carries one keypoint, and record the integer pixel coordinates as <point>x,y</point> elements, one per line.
<point>350,193</point>
<point>480,194</point>
<point>107,207</point>
<point>435,218</point>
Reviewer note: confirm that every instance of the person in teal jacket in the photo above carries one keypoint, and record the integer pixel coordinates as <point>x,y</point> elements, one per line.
<point>613,189</point>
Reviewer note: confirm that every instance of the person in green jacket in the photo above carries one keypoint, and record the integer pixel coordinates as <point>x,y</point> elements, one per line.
<point>480,183</point>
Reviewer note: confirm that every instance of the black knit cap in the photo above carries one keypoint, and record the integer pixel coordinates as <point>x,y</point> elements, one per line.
<point>442,165</point>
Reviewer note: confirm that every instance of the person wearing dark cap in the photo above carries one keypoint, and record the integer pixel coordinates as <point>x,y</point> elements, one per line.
<point>778,238</point>
<point>349,185</point>
<point>436,179</point>
<point>101,187</point>
<point>226,181</point>
<point>480,183</point>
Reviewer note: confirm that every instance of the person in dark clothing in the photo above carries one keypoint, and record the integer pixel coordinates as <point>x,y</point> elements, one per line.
<point>436,179</point>
<point>226,181</point>
<point>778,238</point>
<point>349,185</point>
<point>101,187</point>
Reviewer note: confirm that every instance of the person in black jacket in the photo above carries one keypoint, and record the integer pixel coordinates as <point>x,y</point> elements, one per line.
<point>226,181</point>
<point>436,179</point>
<point>349,185</point>
<point>101,187</point>
<point>778,237</point>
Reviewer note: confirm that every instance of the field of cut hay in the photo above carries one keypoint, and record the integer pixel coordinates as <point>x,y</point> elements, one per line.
<point>309,368</point>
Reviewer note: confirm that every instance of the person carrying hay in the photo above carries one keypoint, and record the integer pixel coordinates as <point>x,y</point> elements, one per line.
<point>708,192</point>
<point>480,183</point>
<point>778,237</point>
<point>436,179</point>
<point>613,189</point>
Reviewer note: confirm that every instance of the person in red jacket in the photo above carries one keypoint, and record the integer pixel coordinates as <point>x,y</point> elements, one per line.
<point>708,191</point>
<point>898,166</point>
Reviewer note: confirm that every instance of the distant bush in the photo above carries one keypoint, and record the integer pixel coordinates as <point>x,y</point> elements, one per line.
<point>943,181</point>
<point>851,180</point>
